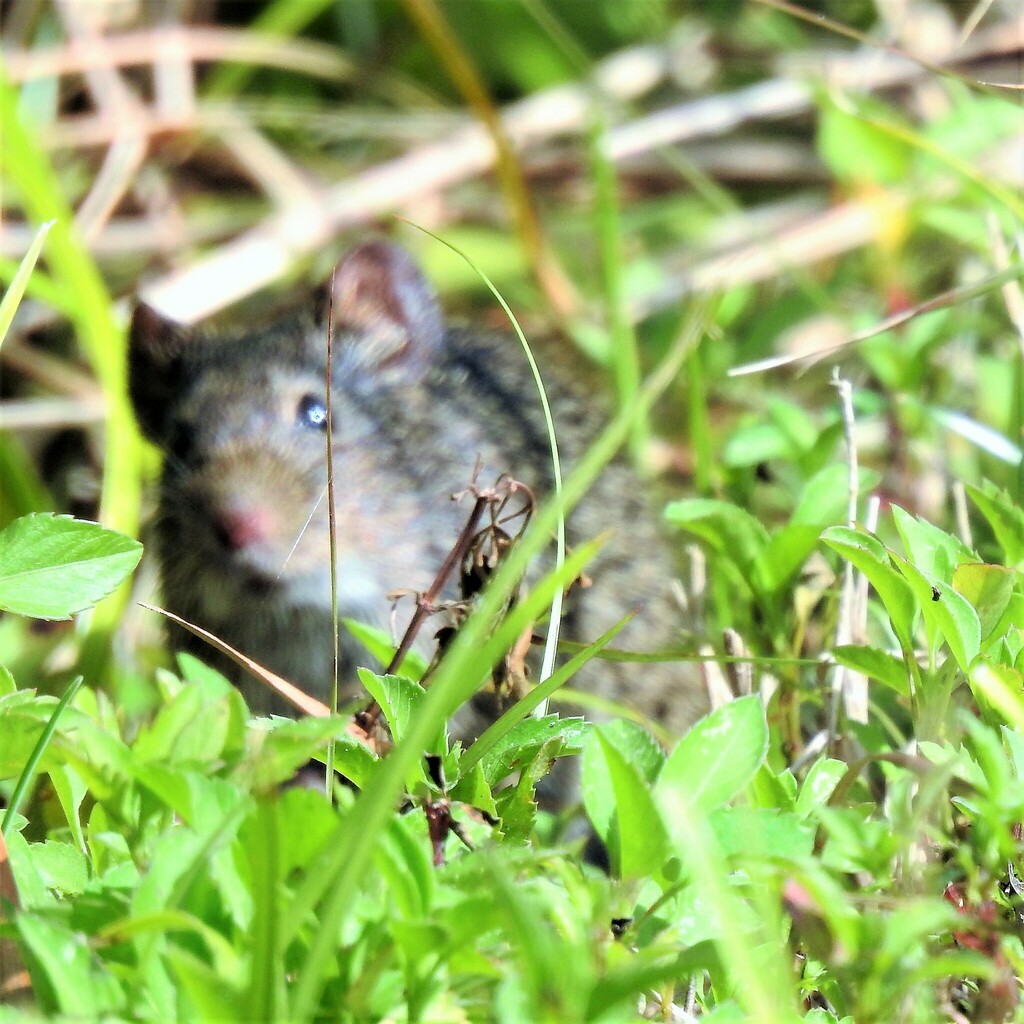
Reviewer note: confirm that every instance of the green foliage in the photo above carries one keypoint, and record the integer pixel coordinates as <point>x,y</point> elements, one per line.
<point>782,860</point>
<point>54,566</point>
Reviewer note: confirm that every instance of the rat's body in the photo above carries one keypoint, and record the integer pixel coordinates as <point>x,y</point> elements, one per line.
<point>242,526</point>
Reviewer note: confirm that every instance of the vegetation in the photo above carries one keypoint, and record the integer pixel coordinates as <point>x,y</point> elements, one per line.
<point>828,201</point>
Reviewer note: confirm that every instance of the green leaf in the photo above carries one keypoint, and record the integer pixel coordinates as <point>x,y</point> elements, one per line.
<point>517,747</point>
<point>299,846</point>
<point>31,888</point>
<point>750,444</point>
<point>946,613</point>
<point>636,745</point>
<point>378,643</point>
<point>405,863</point>
<point>794,422</point>
<point>28,767</point>
<point>989,588</point>
<point>771,789</point>
<point>869,555</point>
<point>190,730</point>
<point>1005,517</point>
<point>280,749</point>
<point>472,789</point>
<point>932,550</point>
<point>726,528</point>
<point>398,697</point>
<point>715,760</point>
<point>635,833</point>
<point>783,556</point>
<point>212,998</point>
<point>61,866</point>
<point>998,690</point>
<point>54,566</point>
<point>823,500</point>
<point>64,978</point>
<point>517,805</point>
<point>857,150</point>
<point>760,833</point>
<point>876,664</point>
<point>820,781</point>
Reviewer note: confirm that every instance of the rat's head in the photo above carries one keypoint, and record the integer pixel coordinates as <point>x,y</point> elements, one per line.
<point>242,420</point>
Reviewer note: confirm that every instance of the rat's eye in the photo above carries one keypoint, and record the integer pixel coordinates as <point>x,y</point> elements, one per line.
<point>312,412</point>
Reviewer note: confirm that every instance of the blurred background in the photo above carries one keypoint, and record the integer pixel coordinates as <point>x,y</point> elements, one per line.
<point>843,177</point>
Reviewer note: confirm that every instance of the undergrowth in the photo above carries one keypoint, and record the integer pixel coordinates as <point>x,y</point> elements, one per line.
<point>838,840</point>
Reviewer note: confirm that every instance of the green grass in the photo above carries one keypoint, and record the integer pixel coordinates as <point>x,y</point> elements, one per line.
<point>761,869</point>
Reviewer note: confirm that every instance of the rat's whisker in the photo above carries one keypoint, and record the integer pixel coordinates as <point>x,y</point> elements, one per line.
<point>302,530</point>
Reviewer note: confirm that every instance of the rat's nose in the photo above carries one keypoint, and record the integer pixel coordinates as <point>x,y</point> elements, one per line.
<point>241,526</point>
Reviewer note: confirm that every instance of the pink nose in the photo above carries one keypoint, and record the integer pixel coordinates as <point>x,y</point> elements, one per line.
<point>240,528</point>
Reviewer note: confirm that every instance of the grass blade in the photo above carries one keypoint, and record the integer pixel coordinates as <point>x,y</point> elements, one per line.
<point>28,773</point>
<point>16,289</point>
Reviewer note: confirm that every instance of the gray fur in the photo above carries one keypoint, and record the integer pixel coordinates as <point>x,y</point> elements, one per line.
<point>414,405</point>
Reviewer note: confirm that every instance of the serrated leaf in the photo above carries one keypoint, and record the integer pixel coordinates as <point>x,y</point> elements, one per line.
<point>517,805</point>
<point>714,761</point>
<point>54,566</point>
<point>517,748</point>
<point>932,550</point>
<point>472,789</point>
<point>398,697</point>
<point>1005,517</point>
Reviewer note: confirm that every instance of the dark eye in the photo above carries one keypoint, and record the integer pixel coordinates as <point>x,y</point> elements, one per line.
<point>312,412</point>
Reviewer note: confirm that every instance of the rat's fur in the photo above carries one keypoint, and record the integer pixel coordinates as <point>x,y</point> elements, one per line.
<point>242,528</point>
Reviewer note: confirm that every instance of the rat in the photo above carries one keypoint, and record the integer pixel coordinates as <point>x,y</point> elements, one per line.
<point>241,530</point>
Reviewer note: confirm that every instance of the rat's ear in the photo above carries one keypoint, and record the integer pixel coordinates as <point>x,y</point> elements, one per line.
<point>156,346</point>
<point>385,313</point>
